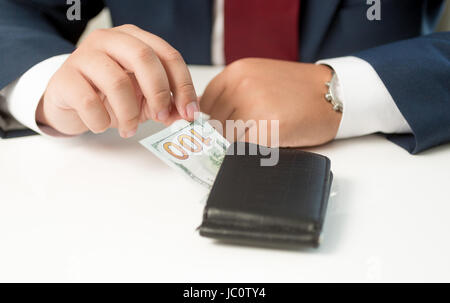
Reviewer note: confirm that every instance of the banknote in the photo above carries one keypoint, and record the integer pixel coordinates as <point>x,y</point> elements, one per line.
<point>194,148</point>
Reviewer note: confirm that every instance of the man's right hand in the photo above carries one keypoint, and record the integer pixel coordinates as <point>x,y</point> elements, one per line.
<point>119,78</point>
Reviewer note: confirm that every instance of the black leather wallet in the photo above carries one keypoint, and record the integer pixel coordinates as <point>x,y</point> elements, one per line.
<point>285,203</point>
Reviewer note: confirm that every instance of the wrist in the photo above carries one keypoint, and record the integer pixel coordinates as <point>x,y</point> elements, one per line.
<point>330,117</point>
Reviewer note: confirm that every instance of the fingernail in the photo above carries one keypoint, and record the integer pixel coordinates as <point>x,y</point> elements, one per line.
<point>191,108</point>
<point>130,133</point>
<point>163,115</point>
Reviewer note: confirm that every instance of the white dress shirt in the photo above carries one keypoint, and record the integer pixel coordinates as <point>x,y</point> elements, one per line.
<point>368,106</point>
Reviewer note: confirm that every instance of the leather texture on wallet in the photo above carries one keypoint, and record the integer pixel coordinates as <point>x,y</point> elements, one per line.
<point>285,203</point>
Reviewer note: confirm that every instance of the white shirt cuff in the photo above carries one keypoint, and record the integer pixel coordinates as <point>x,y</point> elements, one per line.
<point>23,95</point>
<point>368,105</point>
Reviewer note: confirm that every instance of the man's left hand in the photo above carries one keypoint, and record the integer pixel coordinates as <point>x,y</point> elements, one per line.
<point>265,89</point>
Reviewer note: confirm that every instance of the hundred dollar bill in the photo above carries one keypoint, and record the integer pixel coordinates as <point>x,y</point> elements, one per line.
<point>195,148</point>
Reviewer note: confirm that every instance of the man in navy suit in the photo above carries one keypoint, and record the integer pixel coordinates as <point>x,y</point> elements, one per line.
<point>390,71</point>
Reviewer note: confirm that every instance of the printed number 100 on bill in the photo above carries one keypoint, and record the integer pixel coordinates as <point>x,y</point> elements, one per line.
<point>196,148</point>
<point>185,143</point>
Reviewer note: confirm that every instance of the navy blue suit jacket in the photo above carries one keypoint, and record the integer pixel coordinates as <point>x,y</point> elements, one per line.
<point>412,61</point>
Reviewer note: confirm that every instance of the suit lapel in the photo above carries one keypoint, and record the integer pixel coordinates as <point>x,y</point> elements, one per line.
<point>315,19</point>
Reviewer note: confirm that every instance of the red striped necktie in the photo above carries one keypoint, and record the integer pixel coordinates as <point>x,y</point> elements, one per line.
<point>261,28</point>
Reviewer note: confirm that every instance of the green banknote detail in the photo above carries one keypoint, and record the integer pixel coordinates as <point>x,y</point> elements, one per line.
<point>195,148</point>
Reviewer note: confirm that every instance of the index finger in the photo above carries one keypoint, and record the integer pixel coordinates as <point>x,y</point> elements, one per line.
<point>178,74</point>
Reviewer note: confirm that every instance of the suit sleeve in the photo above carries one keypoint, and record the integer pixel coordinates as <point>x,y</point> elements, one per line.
<point>416,73</point>
<point>32,31</point>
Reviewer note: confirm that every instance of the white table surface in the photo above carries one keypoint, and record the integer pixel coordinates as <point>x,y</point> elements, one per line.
<point>101,208</point>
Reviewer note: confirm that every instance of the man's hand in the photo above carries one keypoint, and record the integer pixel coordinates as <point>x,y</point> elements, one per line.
<point>118,77</point>
<point>263,89</point>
